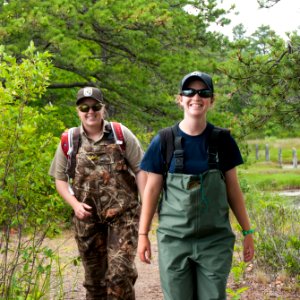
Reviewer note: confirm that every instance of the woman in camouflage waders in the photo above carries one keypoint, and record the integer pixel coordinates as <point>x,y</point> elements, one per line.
<point>104,200</point>
<point>195,240</point>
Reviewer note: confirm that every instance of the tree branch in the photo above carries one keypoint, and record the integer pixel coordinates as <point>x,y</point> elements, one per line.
<point>71,85</point>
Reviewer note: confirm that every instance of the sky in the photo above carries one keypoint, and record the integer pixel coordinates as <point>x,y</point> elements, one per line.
<point>283,17</point>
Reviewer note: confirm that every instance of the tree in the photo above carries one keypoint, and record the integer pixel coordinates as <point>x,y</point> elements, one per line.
<point>267,3</point>
<point>239,32</point>
<point>264,75</point>
<point>136,51</point>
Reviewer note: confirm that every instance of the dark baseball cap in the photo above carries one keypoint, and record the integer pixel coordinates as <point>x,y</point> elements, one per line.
<point>197,75</point>
<point>89,92</point>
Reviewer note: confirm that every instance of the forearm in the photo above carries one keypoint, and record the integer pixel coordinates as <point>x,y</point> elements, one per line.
<point>62,188</point>
<point>236,199</point>
<point>149,202</point>
<point>238,207</point>
<point>141,180</point>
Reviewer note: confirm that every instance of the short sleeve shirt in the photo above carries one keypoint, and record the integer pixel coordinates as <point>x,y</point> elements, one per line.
<point>133,154</point>
<point>195,153</point>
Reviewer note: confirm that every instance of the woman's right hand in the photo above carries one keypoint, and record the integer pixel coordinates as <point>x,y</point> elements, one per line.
<point>82,210</point>
<point>144,249</point>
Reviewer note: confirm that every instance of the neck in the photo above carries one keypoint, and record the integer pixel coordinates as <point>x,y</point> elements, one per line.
<point>94,132</point>
<point>193,126</point>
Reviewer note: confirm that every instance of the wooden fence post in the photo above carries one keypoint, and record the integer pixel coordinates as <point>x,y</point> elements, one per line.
<point>295,160</point>
<point>256,152</point>
<point>280,157</point>
<point>267,153</point>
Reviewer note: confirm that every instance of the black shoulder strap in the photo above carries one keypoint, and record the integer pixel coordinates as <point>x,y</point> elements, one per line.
<point>213,147</point>
<point>171,145</point>
<point>167,147</point>
<point>178,152</point>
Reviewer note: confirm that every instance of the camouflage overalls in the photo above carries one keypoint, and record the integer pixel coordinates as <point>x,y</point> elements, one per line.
<point>107,241</point>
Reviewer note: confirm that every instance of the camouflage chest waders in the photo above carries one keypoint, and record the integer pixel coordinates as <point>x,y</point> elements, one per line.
<point>107,241</point>
<point>195,239</point>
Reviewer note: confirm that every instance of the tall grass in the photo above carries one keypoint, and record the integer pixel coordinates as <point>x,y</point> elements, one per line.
<point>30,269</point>
<point>276,218</point>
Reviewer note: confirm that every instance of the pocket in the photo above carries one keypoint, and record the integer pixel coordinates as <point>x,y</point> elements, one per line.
<point>91,159</point>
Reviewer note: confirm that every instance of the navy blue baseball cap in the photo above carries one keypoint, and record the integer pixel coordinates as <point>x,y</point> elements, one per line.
<point>197,75</point>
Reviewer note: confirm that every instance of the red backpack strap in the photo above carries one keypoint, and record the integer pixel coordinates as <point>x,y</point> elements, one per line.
<point>118,134</point>
<point>74,144</point>
<point>64,143</point>
<point>70,141</point>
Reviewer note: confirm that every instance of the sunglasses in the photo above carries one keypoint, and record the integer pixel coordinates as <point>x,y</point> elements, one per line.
<point>203,93</point>
<point>86,108</point>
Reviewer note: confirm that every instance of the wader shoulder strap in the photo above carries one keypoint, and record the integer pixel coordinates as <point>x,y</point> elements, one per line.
<point>178,152</point>
<point>213,147</point>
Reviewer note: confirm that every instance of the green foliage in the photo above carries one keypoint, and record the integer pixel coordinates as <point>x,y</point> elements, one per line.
<point>136,51</point>
<point>30,206</point>
<point>236,294</point>
<point>27,144</point>
<point>277,233</point>
<point>238,271</point>
<point>263,92</point>
<point>271,175</point>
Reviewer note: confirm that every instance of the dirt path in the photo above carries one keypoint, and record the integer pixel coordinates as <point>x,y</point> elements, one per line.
<point>68,286</point>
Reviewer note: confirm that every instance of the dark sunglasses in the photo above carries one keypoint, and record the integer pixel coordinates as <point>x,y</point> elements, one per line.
<point>86,108</point>
<point>203,93</point>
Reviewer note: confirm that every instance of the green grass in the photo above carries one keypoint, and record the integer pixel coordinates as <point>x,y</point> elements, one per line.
<point>269,176</point>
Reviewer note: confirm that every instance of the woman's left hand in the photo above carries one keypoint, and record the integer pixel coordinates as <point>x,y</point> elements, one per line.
<point>248,248</point>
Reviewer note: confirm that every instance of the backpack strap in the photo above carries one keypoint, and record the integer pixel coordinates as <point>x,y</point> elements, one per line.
<point>213,147</point>
<point>167,148</point>
<point>70,141</point>
<point>171,145</point>
<point>118,134</point>
<point>64,142</point>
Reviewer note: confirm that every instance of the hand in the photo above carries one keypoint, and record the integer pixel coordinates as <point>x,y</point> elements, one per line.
<point>248,248</point>
<point>144,249</point>
<point>82,210</point>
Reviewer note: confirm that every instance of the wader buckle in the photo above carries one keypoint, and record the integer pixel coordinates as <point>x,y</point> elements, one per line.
<point>178,155</point>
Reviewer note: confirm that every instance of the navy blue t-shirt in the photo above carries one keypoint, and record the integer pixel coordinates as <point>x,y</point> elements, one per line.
<point>195,153</point>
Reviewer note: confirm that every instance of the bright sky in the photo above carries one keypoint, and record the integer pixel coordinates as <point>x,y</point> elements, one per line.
<point>283,17</point>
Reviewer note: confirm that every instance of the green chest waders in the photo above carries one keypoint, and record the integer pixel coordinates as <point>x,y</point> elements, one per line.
<point>195,239</point>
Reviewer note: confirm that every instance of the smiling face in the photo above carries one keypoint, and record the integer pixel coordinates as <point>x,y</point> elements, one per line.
<point>91,118</point>
<point>195,106</point>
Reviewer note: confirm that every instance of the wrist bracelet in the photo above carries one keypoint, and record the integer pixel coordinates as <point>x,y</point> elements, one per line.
<point>246,232</point>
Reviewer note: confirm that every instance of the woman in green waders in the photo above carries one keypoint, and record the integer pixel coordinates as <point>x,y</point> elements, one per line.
<point>195,240</point>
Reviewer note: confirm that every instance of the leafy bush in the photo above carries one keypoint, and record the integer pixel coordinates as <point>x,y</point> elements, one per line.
<point>30,207</point>
<point>278,232</point>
